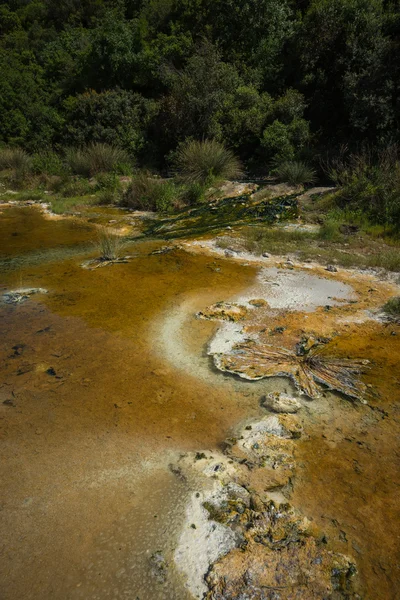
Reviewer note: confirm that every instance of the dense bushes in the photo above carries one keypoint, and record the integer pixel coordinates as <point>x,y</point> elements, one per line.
<point>277,81</point>
<point>145,75</point>
<point>147,192</point>
<point>369,182</point>
<point>115,117</point>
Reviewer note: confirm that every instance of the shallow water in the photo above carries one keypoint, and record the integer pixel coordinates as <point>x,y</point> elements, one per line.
<point>106,381</point>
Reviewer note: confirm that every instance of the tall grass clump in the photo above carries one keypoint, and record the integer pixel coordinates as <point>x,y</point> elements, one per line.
<point>16,159</point>
<point>295,173</point>
<point>109,244</point>
<point>146,192</point>
<point>206,161</point>
<point>97,158</point>
<point>74,187</point>
<point>77,161</point>
<point>369,182</point>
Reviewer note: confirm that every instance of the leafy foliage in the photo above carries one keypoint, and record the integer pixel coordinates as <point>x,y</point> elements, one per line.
<point>370,181</point>
<point>147,192</point>
<point>275,80</point>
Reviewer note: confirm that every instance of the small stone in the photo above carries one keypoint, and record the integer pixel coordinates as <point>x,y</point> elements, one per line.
<point>159,566</point>
<point>8,403</point>
<point>228,252</point>
<point>258,302</point>
<point>265,254</point>
<point>281,403</point>
<point>331,269</point>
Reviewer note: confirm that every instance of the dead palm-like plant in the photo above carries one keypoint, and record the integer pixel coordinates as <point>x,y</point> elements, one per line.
<point>307,366</point>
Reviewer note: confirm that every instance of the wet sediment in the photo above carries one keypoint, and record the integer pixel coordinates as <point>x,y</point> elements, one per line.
<point>94,412</point>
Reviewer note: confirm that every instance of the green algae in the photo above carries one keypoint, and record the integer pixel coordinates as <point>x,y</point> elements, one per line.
<point>226,212</point>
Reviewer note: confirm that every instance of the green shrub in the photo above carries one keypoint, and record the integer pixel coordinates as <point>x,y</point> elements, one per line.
<point>147,192</point>
<point>109,187</point>
<point>295,173</point>
<point>276,142</point>
<point>204,162</point>
<point>97,158</point>
<point>392,307</point>
<point>370,183</point>
<point>16,159</point>
<point>73,187</point>
<point>194,193</point>
<point>330,230</point>
<point>47,163</point>
<point>165,194</point>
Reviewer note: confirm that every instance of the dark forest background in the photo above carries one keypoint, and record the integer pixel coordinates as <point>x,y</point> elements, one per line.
<point>271,79</point>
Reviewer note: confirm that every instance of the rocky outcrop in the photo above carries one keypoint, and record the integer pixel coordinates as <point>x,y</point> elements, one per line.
<point>245,540</point>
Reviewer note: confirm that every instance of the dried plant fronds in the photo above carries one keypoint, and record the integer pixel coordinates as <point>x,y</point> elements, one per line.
<point>308,366</point>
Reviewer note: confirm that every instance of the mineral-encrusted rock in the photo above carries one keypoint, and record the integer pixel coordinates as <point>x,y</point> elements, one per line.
<point>264,452</point>
<point>159,566</point>
<point>299,571</point>
<point>248,542</point>
<point>279,559</point>
<point>281,403</point>
<point>20,295</point>
<point>224,311</point>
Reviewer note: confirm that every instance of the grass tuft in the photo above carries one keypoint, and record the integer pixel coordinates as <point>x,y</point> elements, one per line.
<point>109,244</point>
<point>96,158</point>
<point>16,159</point>
<point>295,173</point>
<point>206,161</point>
